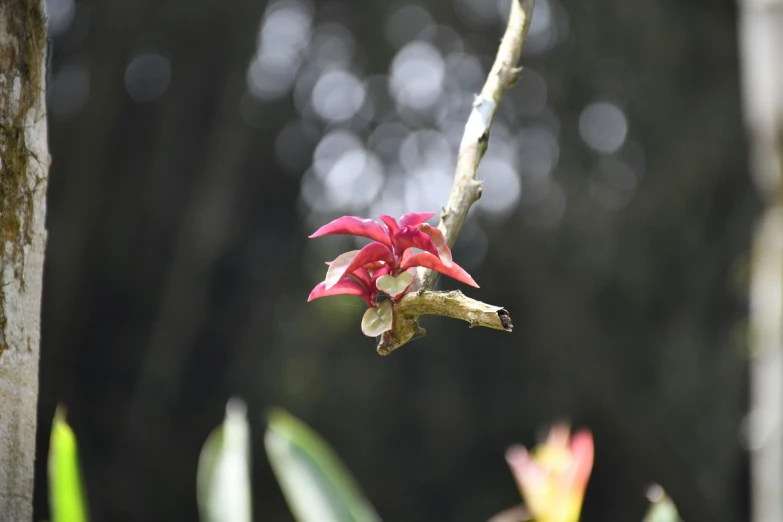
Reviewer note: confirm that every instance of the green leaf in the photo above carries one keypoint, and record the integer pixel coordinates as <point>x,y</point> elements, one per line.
<point>66,491</point>
<point>316,484</point>
<point>223,478</point>
<point>394,286</point>
<point>662,509</point>
<point>377,320</point>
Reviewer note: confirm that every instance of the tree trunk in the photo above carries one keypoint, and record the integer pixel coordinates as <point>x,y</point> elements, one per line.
<point>761,43</point>
<point>24,165</point>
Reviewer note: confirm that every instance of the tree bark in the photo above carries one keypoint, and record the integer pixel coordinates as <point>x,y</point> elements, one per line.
<point>24,166</point>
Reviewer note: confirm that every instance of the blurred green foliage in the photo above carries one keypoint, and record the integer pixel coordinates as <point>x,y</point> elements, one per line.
<point>223,481</point>
<point>662,509</point>
<point>66,490</point>
<point>316,484</point>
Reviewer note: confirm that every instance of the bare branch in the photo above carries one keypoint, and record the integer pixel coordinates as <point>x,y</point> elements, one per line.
<point>466,189</point>
<point>452,304</point>
<point>503,75</point>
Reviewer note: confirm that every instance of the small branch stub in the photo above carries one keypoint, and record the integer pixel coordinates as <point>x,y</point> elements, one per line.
<point>452,304</point>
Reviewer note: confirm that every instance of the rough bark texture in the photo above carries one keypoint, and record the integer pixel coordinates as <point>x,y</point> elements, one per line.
<point>24,164</point>
<point>761,42</point>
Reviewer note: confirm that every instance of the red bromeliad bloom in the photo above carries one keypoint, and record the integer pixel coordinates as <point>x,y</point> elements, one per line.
<point>387,263</point>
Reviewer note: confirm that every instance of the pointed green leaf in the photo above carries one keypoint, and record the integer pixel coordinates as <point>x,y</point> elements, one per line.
<point>377,320</point>
<point>66,490</point>
<point>315,483</point>
<point>223,478</point>
<point>394,286</point>
<point>662,509</point>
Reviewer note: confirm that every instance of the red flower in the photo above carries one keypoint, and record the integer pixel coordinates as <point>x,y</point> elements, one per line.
<point>390,256</point>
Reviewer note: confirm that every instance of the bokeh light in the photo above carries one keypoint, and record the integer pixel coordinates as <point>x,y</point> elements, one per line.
<point>147,76</point>
<point>603,127</point>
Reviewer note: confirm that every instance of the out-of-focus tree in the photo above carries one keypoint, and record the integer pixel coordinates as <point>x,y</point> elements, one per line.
<point>24,166</point>
<point>761,38</point>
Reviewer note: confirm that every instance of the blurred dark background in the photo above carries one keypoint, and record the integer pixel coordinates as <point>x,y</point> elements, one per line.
<point>196,144</point>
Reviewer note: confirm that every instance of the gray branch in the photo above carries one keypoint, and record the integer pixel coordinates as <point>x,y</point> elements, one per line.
<point>465,191</point>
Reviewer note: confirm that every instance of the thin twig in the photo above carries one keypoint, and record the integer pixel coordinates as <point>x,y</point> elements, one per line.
<point>466,189</point>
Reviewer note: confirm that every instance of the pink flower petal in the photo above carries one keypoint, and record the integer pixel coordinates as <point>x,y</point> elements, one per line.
<point>559,437</point>
<point>582,453</point>
<point>375,265</point>
<point>432,262</point>
<point>414,218</point>
<point>362,275</point>
<point>528,474</point>
<point>390,223</point>
<point>409,237</point>
<point>345,286</point>
<point>406,255</point>
<point>439,241</point>
<point>348,262</point>
<point>378,273</point>
<point>355,226</point>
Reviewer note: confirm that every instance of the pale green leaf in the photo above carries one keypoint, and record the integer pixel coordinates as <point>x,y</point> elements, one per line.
<point>337,267</point>
<point>223,478</point>
<point>394,286</point>
<point>662,509</point>
<point>315,483</point>
<point>377,320</point>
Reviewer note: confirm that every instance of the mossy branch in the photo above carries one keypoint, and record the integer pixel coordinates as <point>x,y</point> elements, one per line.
<point>465,191</point>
